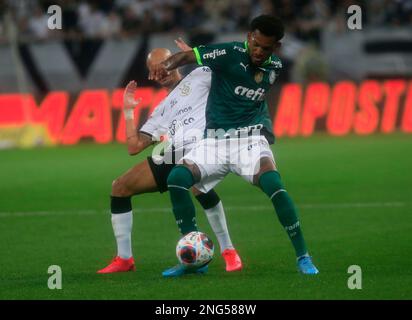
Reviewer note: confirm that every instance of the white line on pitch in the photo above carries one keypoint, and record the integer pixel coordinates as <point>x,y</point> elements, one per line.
<point>308,206</point>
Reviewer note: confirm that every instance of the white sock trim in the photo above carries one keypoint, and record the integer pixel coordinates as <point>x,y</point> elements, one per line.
<point>303,255</point>
<point>179,187</point>
<point>276,192</point>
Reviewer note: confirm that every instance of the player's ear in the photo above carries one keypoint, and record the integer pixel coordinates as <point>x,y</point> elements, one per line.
<point>249,36</point>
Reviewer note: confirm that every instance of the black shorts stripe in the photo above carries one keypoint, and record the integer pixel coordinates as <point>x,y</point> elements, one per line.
<point>146,133</point>
<point>160,173</point>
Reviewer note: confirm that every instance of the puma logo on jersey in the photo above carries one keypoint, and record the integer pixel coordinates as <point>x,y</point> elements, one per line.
<point>258,94</point>
<point>244,66</point>
<point>215,53</point>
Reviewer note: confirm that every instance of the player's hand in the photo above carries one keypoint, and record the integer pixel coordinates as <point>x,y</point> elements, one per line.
<point>129,101</point>
<point>182,45</point>
<point>158,72</point>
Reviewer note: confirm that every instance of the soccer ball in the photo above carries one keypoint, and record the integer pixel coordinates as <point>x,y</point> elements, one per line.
<point>195,249</point>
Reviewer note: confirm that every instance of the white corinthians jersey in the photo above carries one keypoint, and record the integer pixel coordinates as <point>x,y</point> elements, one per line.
<point>181,115</point>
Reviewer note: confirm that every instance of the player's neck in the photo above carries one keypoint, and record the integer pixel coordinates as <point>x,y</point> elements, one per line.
<point>175,83</point>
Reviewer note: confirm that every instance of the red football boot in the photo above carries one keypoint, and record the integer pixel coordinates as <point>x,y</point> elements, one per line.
<point>119,265</point>
<point>232,259</point>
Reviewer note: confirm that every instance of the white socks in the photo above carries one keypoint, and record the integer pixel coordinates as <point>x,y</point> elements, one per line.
<point>122,227</point>
<point>217,220</point>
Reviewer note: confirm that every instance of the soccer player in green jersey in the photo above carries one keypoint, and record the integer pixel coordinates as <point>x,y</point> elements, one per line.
<point>238,129</point>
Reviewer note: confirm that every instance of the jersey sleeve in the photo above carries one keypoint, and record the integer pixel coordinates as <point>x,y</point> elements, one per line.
<point>214,56</point>
<point>202,76</point>
<point>155,124</point>
<point>276,65</point>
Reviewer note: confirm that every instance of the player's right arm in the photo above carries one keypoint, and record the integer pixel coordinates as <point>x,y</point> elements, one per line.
<point>136,141</point>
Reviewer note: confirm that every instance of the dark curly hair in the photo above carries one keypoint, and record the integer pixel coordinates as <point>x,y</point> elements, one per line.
<point>268,25</point>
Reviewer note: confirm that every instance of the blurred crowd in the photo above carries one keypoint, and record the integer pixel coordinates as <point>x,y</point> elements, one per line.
<point>304,19</point>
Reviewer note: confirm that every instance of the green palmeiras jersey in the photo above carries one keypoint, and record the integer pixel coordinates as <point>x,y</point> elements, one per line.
<point>237,94</point>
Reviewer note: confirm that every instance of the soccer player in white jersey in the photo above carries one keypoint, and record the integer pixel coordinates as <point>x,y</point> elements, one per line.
<point>181,117</point>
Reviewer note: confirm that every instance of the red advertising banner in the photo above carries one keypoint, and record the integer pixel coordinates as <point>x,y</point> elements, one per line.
<point>339,109</point>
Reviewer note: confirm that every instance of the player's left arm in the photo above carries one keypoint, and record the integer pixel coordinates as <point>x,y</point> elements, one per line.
<point>136,141</point>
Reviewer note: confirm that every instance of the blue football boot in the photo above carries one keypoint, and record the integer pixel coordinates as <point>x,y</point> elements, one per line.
<point>180,270</point>
<point>306,266</point>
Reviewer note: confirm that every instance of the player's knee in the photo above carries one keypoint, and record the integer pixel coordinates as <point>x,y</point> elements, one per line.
<point>266,164</point>
<point>119,188</point>
<point>270,182</point>
<point>180,176</point>
<point>194,169</point>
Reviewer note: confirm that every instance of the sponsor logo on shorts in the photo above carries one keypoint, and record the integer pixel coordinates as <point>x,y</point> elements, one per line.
<point>244,131</point>
<point>258,94</point>
<point>215,53</point>
<point>249,147</point>
<point>260,143</point>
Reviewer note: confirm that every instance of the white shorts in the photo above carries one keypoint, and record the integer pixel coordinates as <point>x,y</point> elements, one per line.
<point>217,157</point>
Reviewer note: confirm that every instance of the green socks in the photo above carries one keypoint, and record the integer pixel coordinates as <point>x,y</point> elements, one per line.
<point>271,185</point>
<point>179,182</point>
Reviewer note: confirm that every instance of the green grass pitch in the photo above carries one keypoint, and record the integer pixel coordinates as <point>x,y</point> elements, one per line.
<point>354,196</point>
